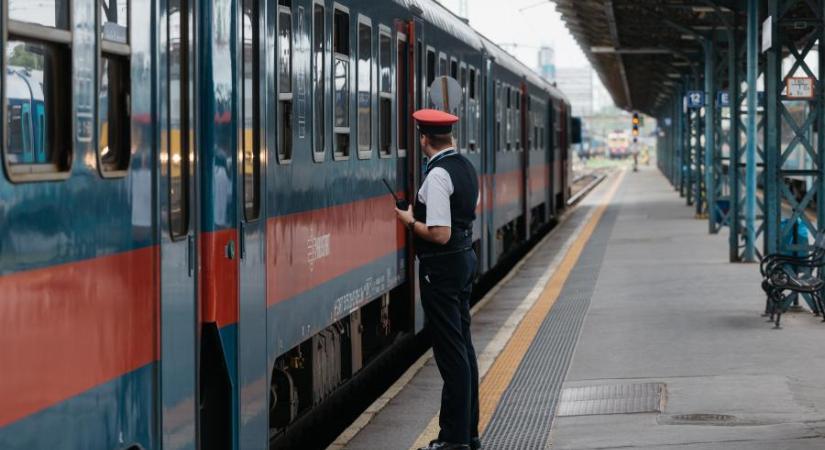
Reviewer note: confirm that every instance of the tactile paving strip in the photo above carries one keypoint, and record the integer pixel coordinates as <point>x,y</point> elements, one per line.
<point>523,417</point>
<point>629,398</point>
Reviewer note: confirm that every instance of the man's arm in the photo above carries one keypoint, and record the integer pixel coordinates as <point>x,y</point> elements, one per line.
<point>437,193</point>
<point>437,234</point>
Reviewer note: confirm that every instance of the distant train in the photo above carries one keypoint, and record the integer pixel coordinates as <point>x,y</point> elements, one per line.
<point>618,144</point>
<point>196,247</point>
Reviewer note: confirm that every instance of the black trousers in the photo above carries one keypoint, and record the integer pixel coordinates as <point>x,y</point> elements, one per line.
<point>446,284</point>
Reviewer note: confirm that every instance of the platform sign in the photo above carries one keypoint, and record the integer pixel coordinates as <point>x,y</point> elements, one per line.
<point>722,99</point>
<point>695,99</point>
<point>799,88</point>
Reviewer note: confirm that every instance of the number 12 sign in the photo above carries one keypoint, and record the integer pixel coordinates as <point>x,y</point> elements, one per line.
<point>695,99</point>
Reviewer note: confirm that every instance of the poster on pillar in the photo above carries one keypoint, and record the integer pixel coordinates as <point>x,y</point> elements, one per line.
<point>799,88</point>
<point>695,99</point>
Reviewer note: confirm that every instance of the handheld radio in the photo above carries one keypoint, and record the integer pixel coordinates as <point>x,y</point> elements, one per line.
<point>399,203</point>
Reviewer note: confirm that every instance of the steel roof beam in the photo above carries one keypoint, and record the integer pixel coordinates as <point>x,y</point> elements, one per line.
<point>614,33</point>
<point>633,51</point>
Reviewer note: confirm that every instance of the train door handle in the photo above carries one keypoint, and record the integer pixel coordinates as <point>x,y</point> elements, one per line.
<point>230,249</point>
<point>242,240</point>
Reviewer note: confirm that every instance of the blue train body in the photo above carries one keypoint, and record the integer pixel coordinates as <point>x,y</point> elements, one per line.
<point>196,246</point>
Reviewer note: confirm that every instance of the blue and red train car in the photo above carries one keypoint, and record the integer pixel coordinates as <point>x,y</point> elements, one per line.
<point>196,247</point>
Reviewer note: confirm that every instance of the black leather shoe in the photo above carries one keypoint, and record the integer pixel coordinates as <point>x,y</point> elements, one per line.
<point>441,445</point>
<point>475,443</point>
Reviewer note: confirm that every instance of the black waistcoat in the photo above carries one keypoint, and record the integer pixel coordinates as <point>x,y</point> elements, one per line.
<point>462,205</point>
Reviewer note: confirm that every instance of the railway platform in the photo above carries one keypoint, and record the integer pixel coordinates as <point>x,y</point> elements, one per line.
<point>626,327</point>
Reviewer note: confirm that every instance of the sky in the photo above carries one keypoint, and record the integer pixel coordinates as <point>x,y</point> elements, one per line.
<point>526,23</point>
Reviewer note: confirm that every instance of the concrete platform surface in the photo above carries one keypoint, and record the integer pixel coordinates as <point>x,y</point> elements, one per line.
<point>669,308</point>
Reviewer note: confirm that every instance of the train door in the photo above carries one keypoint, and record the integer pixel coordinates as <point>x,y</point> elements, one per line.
<point>523,129</point>
<point>177,189</point>
<point>564,144</point>
<point>492,131</point>
<point>481,130</point>
<point>252,392</point>
<point>408,99</point>
<point>423,64</point>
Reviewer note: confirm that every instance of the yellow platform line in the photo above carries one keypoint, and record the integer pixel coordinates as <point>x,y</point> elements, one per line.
<point>501,373</point>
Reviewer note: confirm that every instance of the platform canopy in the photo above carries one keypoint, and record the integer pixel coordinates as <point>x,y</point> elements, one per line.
<point>641,48</point>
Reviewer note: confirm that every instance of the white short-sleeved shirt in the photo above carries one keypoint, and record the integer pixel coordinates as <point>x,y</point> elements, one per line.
<point>435,192</point>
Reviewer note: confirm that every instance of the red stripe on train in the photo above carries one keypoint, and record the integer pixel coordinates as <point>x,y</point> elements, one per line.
<point>68,328</point>
<point>219,277</point>
<point>509,187</point>
<point>309,248</point>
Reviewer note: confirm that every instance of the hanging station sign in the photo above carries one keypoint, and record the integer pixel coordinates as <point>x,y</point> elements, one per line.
<point>799,88</point>
<point>722,99</point>
<point>695,99</point>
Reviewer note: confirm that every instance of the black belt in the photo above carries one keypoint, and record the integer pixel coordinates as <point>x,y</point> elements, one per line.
<point>444,253</point>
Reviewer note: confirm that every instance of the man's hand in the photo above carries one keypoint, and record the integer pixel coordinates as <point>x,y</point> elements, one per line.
<point>406,217</point>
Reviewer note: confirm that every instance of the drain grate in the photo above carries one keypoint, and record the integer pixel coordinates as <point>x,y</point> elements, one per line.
<point>612,399</point>
<point>699,419</point>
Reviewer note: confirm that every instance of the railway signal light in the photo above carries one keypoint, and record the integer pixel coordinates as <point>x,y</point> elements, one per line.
<point>636,122</point>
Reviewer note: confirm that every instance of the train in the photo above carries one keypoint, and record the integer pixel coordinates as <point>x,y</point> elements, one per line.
<point>196,246</point>
<point>618,143</point>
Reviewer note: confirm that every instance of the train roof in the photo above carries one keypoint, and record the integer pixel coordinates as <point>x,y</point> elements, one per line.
<point>515,65</point>
<point>436,14</point>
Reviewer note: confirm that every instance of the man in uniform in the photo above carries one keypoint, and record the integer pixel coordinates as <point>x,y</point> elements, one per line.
<point>442,226</point>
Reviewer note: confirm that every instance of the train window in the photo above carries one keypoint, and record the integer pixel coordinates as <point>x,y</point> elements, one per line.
<point>402,93</point>
<point>430,67</point>
<point>508,118</point>
<point>473,114</point>
<point>114,145</point>
<point>517,121</point>
<point>442,64</point>
<point>464,113</point>
<point>341,79</point>
<point>250,139</point>
<point>499,135</point>
<point>318,82</point>
<point>284,81</point>
<point>364,98</point>
<point>454,68</point>
<point>114,112</point>
<point>38,90</point>
<point>528,124</point>
<point>178,136</point>
<point>385,91</point>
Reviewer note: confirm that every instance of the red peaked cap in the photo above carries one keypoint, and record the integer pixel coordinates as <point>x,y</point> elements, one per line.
<point>433,121</point>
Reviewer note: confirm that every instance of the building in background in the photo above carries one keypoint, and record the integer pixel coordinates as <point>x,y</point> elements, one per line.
<point>577,85</point>
<point>547,63</point>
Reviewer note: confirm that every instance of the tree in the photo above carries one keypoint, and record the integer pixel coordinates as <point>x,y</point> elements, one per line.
<point>21,56</point>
